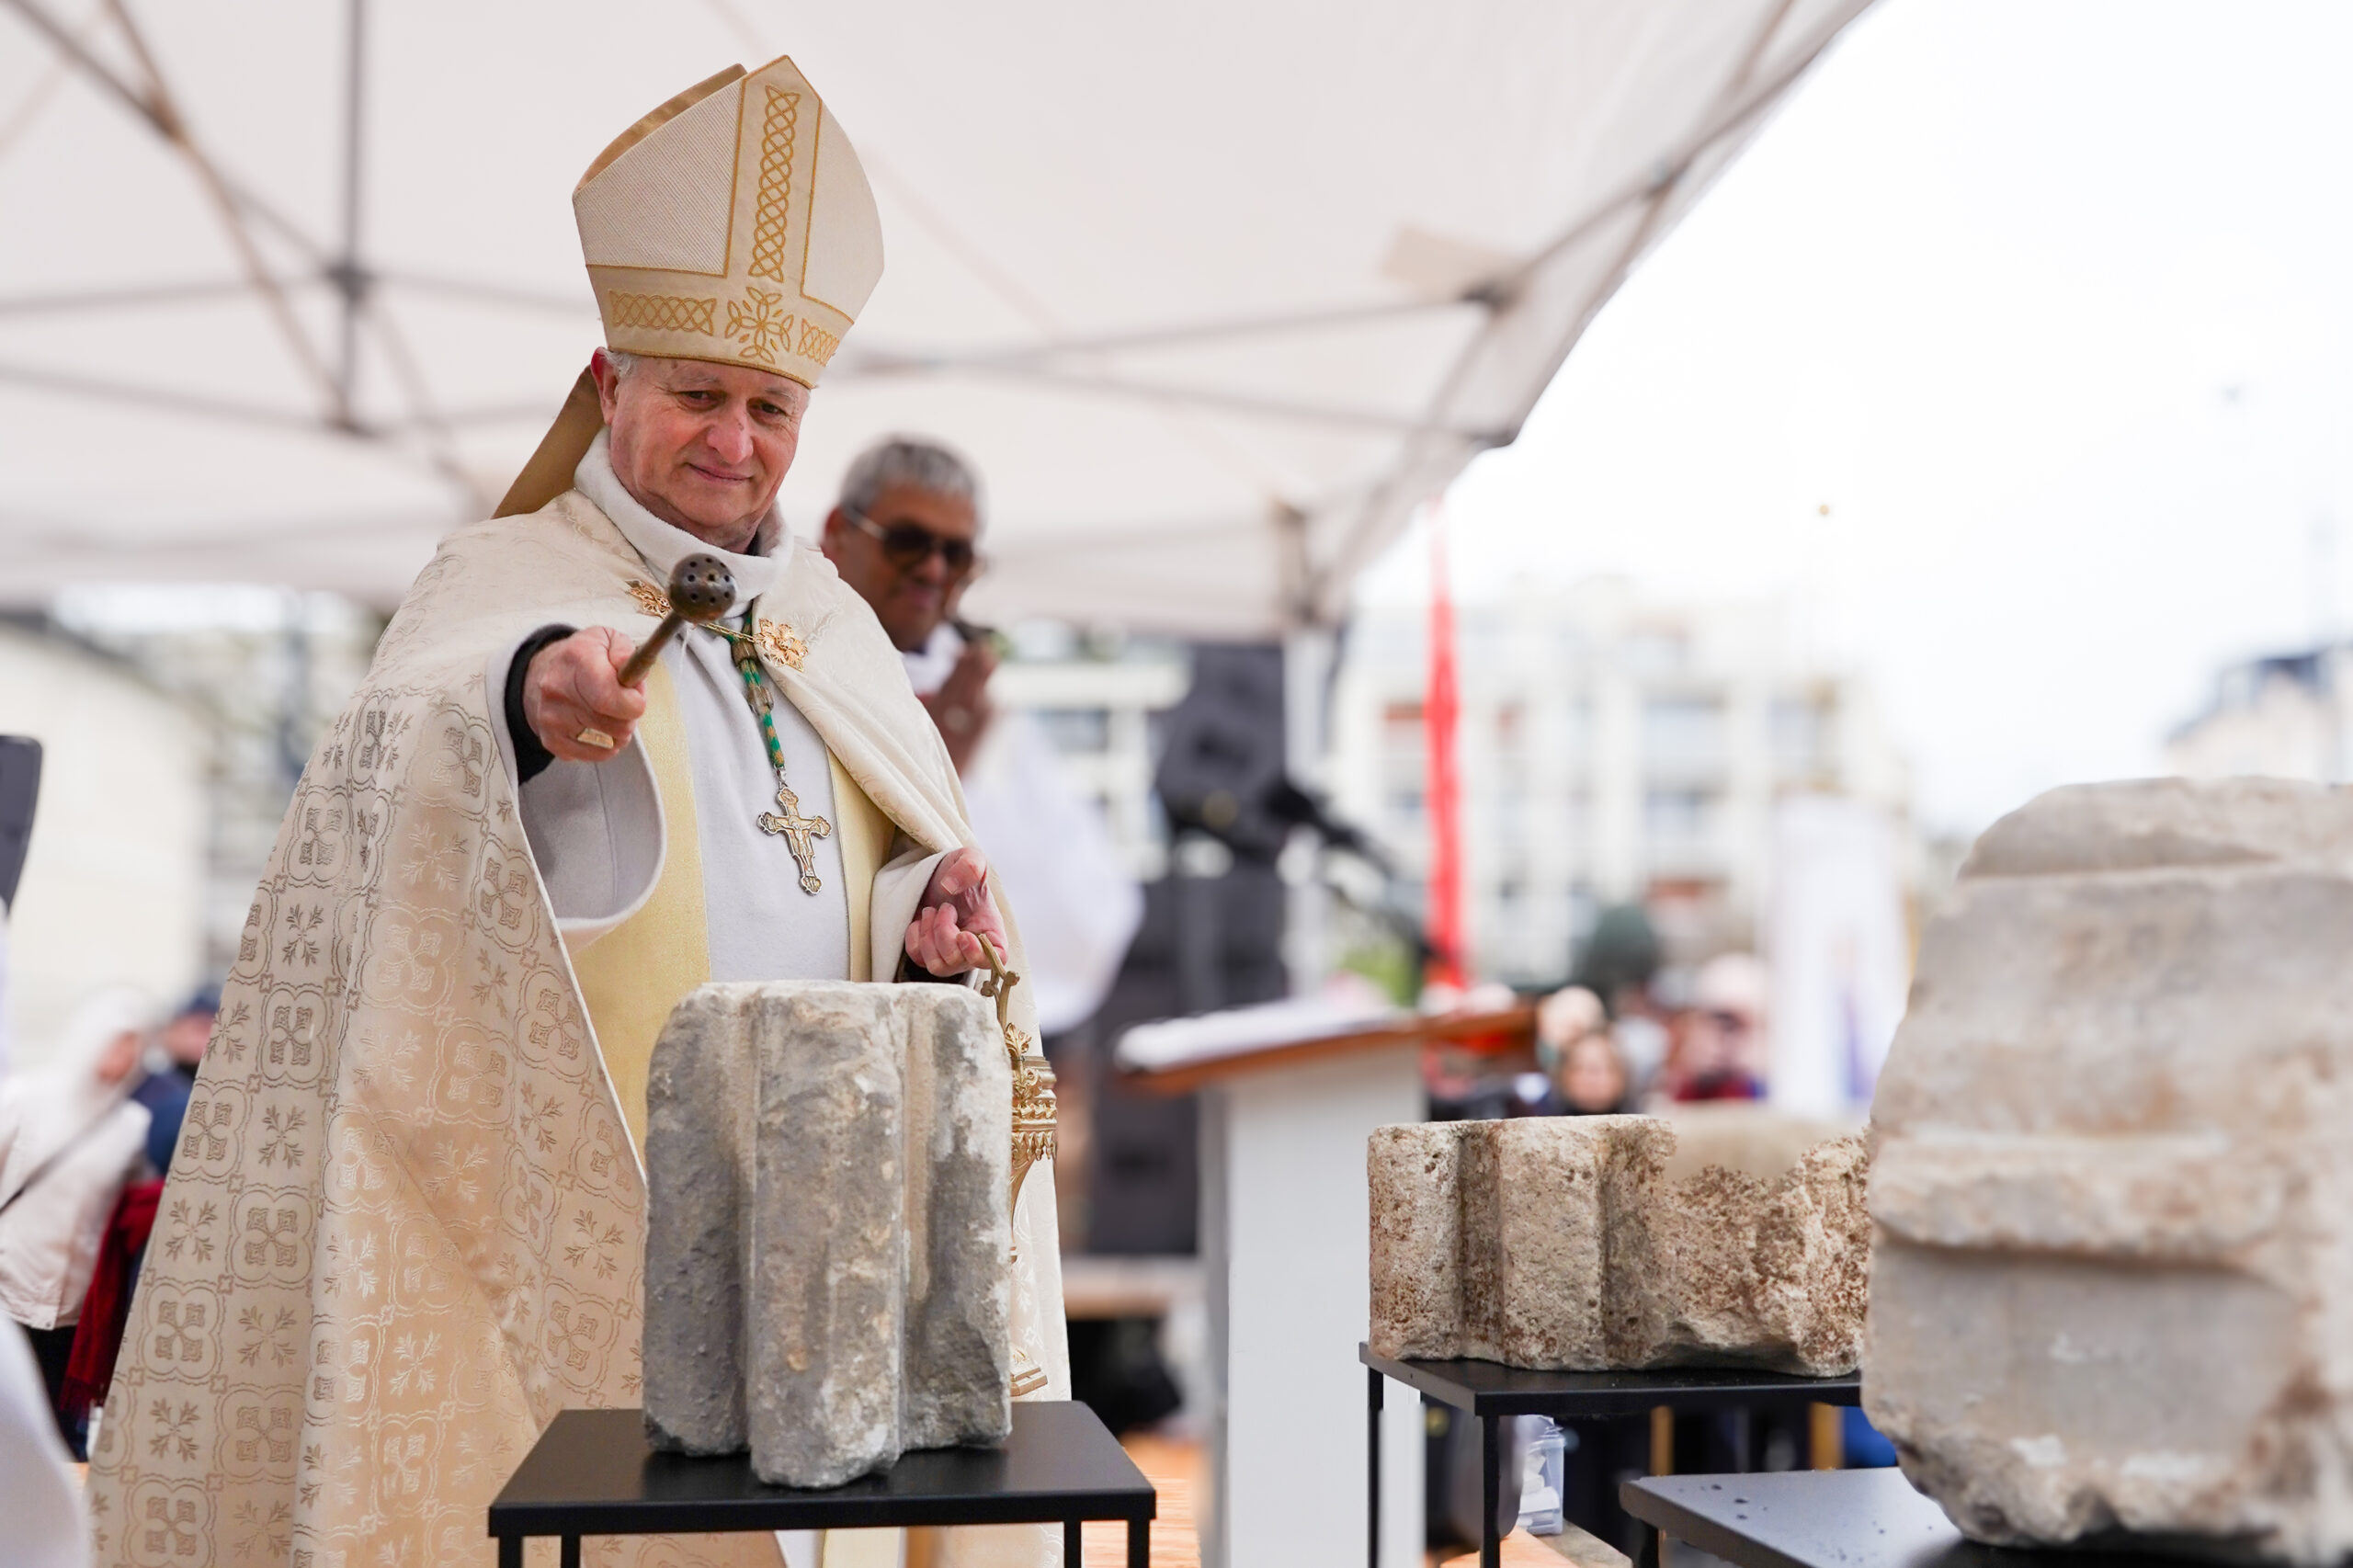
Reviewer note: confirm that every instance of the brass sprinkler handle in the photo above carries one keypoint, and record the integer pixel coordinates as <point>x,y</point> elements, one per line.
<point>1033,1079</point>
<point>999,984</point>
<point>1033,1119</point>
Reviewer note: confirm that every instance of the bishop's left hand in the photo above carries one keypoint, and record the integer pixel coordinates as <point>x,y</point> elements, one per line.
<point>956,913</point>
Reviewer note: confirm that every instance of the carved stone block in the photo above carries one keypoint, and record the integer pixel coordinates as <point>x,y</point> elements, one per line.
<point>1558,1243</point>
<point>2113,1195</point>
<point>827,1237</point>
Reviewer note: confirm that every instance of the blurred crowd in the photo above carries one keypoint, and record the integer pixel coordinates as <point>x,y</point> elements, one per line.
<point>1628,1034</point>
<point>86,1137</point>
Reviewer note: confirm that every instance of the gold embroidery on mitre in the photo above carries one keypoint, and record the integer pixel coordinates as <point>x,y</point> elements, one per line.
<point>731,203</point>
<point>761,321</point>
<point>650,600</point>
<point>816,342</point>
<point>662,313</point>
<point>779,642</point>
<point>768,222</point>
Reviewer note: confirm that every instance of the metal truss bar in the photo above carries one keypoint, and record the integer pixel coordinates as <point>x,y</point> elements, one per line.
<point>350,280</point>
<point>65,539</point>
<point>103,76</point>
<point>1735,110</point>
<point>1155,391</point>
<point>161,112</point>
<point>1192,333</point>
<point>136,294</point>
<point>205,405</point>
<point>1672,168</point>
<point>574,305</point>
<point>428,419</point>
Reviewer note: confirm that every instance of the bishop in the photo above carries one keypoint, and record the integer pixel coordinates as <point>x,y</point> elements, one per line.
<point>404,1225</point>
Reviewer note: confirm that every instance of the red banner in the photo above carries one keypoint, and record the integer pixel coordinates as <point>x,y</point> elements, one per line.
<point>1440,706</point>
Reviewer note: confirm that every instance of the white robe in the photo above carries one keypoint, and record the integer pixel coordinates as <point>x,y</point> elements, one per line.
<point>1079,906</point>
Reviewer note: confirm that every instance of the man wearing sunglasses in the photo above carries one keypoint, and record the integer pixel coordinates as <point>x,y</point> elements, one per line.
<point>904,535</point>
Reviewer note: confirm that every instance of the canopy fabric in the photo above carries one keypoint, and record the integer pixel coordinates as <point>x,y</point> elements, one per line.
<point>1215,295</point>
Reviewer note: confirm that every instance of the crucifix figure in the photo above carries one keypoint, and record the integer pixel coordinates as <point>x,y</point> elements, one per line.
<point>798,832</point>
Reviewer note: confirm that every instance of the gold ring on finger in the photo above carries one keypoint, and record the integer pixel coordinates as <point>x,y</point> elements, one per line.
<point>592,736</point>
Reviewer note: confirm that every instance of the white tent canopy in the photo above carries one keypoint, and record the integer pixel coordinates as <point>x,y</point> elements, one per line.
<point>1214,294</point>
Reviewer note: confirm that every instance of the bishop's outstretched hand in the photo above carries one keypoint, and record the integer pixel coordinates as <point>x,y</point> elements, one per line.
<point>957,911</point>
<point>574,698</point>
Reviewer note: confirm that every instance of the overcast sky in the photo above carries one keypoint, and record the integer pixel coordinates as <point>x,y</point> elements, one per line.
<point>2052,305</point>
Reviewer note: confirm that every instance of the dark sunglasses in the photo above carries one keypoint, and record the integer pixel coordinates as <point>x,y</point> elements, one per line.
<point>908,545</point>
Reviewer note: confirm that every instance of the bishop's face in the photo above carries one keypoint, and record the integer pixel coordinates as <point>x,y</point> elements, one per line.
<point>702,447</point>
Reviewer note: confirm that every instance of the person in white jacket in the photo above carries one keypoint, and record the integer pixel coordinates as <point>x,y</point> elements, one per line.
<point>70,1137</point>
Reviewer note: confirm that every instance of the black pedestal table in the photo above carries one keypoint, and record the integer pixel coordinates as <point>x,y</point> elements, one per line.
<point>593,1472</point>
<point>1489,1391</point>
<point>1834,1518</point>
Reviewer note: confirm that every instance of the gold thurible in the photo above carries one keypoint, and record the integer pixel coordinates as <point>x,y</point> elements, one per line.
<point>1033,1119</point>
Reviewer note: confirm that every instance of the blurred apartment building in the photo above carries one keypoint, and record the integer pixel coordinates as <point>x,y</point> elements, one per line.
<point>1095,699</point>
<point>2283,715</point>
<point>1611,751</point>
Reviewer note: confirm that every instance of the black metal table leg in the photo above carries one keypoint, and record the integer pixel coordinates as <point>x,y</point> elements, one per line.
<point>568,1555</point>
<point>1490,1544</point>
<point>1139,1543</point>
<point>1646,1545</point>
<point>1073,1550</point>
<point>510,1551</point>
<point>1372,1466</point>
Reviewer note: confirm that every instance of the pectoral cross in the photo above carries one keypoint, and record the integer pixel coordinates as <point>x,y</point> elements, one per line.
<point>800,833</point>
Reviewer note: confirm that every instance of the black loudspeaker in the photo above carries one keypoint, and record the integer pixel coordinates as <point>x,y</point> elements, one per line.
<point>1206,942</point>
<point>1221,751</point>
<point>19,788</point>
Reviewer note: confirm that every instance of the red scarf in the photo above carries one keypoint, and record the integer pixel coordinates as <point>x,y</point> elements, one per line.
<point>98,1338</point>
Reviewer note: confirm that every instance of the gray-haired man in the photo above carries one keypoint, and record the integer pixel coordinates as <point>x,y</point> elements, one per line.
<point>904,536</point>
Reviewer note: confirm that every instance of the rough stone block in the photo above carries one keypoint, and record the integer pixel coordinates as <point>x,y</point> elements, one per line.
<point>827,1238</point>
<point>2112,1194</point>
<point>1558,1243</point>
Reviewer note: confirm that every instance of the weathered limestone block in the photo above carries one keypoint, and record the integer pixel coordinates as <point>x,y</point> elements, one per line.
<point>827,1235</point>
<point>1558,1243</point>
<point>2112,1193</point>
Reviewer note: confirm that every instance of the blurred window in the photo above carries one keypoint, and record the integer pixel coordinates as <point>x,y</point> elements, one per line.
<point>1683,732</point>
<point>1076,731</point>
<point>1655,652</point>
<point>1797,733</point>
<point>1511,816</point>
<point>1677,816</point>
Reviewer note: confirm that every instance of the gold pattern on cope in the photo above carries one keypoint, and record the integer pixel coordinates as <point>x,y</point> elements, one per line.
<point>780,642</point>
<point>775,639</point>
